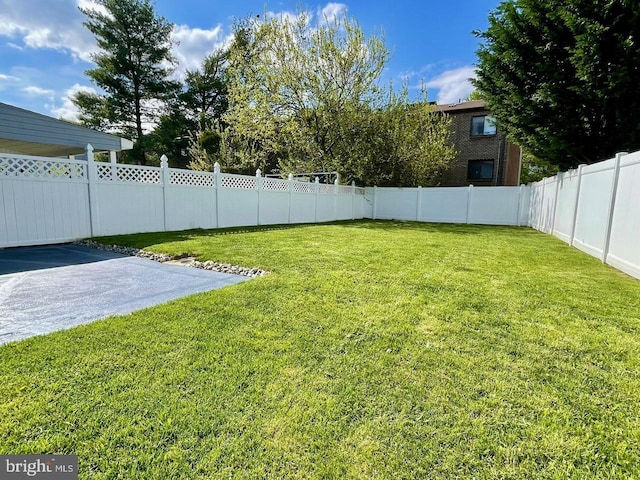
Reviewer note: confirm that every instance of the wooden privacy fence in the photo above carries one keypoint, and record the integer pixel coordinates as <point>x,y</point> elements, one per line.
<point>52,200</point>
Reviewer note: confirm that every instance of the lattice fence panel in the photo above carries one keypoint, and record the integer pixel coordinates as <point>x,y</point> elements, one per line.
<point>238,181</point>
<point>275,185</point>
<point>327,189</point>
<point>187,177</point>
<point>105,171</point>
<point>133,174</point>
<point>359,191</point>
<point>304,187</point>
<point>42,168</point>
<point>344,190</point>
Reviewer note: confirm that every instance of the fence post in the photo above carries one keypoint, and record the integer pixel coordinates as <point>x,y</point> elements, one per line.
<point>575,206</point>
<point>166,179</point>
<point>317,191</point>
<point>335,198</point>
<point>520,197</point>
<point>92,177</point>
<point>469,202</point>
<point>612,205</point>
<point>353,200</point>
<point>375,201</point>
<point>290,196</point>
<point>419,204</point>
<point>258,188</point>
<point>218,184</point>
<point>559,178</point>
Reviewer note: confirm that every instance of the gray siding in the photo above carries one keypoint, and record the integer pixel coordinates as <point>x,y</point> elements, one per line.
<point>20,125</point>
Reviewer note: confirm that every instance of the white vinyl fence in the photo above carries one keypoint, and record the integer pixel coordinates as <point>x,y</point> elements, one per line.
<point>595,208</point>
<point>51,200</point>
<point>478,205</point>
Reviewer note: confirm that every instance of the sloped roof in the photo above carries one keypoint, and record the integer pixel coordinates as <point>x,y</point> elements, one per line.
<point>463,106</point>
<point>30,133</point>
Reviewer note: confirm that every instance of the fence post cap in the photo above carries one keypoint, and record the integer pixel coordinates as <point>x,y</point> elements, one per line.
<point>89,147</point>
<point>317,179</point>
<point>336,182</point>
<point>258,172</point>
<point>291,176</point>
<point>164,161</point>
<point>216,167</point>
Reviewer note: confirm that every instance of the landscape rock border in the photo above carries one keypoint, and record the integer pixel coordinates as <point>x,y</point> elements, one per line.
<point>187,262</point>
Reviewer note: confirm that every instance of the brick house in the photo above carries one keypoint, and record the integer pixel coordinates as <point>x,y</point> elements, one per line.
<point>484,155</point>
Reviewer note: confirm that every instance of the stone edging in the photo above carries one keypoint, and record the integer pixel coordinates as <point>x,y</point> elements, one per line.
<point>187,262</point>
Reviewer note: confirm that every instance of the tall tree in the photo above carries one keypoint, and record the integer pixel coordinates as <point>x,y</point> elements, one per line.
<point>191,127</point>
<point>205,95</point>
<point>304,94</point>
<point>563,77</point>
<point>132,67</point>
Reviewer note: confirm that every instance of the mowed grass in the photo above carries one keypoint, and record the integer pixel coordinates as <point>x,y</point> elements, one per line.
<point>372,350</point>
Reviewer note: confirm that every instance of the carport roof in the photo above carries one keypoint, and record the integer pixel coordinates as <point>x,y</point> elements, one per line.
<point>30,133</point>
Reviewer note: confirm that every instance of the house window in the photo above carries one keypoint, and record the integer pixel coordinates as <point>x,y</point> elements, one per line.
<point>484,125</point>
<point>480,170</point>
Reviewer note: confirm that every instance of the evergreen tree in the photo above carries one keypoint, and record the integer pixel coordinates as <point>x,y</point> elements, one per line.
<point>132,68</point>
<point>563,77</point>
<point>205,96</point>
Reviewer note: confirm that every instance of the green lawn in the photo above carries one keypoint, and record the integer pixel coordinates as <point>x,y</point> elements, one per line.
<point>372,350</point>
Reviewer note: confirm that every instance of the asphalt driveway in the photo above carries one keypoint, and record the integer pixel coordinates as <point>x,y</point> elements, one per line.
<point>44,289</point>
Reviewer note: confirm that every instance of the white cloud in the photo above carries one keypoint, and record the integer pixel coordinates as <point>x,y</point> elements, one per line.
<point>453,85</point>
<point>331,12</point>
<point>55,25</point>
<point>91,5</point>
<point>68,111</point>
<point>58,26</point>
<point>7,77</point>
<point>34,91</point>
<point>193,44</point>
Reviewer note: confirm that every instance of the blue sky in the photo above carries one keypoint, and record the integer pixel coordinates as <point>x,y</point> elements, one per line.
<point>44,49</point>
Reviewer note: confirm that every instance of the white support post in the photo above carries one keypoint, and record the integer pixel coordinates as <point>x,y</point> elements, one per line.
<point>166,180</point>
<point>469,203</point>
<point>336,188</point>
<point>218,183</point>
<point>612,205</point>
<point>92,177</point>
<point>544,187</point>
<point>353,200</point>
<point>419,204</point>
<point>559,178</point>
<point>112,157</point>
<point>258,189</point>
<point>375,202</point>
<point>317,190</point>
<point>290,196</point>
<point>575,206</point>
<point>520,198</point>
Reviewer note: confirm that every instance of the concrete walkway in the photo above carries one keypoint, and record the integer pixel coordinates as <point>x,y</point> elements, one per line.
<point>44,289</point>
